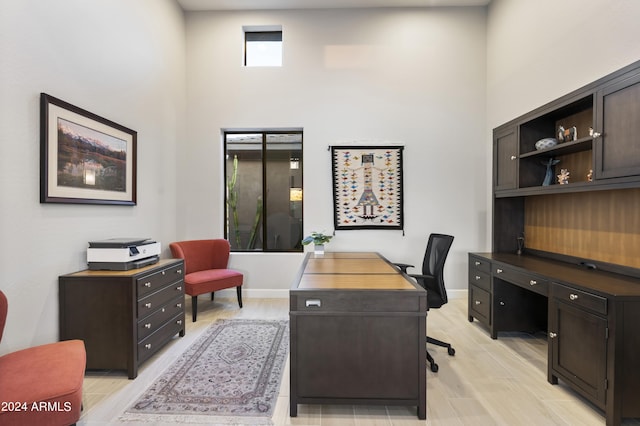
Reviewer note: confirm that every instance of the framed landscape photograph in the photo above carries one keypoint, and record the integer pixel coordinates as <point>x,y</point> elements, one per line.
<point>84,158</point>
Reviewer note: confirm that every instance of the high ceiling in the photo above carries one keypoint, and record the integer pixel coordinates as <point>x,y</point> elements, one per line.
<point>193,5</point>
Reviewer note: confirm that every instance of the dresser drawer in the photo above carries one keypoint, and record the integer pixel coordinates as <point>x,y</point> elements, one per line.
<point>153,322</point>
<point>480,303</point>
<point>153,282</point>
<point>480,279</point>
<point>479,264</point>
<point>152,302</point>
<point>580,298</point>
<point>155,341</point>
<point>522,279</point>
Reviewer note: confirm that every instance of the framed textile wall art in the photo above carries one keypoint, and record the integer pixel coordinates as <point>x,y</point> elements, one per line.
<point>367,187</point>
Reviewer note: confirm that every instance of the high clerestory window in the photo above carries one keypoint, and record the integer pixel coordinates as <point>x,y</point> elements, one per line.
<point>263,197</point>
<point>263,46</point>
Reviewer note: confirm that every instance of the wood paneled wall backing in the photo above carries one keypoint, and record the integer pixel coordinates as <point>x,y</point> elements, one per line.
<point>600,225</point>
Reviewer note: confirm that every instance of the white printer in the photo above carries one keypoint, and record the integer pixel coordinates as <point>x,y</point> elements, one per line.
<point>122,254</point>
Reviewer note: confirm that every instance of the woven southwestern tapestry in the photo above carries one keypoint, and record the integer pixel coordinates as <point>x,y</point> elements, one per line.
<point>367,187</point>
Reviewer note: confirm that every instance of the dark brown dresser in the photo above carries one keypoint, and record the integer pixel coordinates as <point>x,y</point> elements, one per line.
<point>123,317</point>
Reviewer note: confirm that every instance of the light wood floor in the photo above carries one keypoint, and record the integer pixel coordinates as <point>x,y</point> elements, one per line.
<point>487,382</point>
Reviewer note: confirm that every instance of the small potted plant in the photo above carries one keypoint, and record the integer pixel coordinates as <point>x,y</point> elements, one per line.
<point>319,240</point>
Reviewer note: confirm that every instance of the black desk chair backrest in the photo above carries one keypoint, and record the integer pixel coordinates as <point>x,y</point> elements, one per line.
<point>432,278</point>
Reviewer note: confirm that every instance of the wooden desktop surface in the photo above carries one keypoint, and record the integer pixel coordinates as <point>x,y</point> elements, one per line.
<point>346,270</point>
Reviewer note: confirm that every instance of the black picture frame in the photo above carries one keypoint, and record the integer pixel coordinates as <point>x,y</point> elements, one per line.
<point>84,158</point>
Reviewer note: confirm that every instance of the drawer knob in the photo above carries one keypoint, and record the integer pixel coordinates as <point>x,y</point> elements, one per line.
<point>499,271</point>
<point>162,309</point>
<point>179,322</point>
<point>478,263</point>
<point>573,296</point>
<point>513,157</point>
<point>478,302</point>
<point>533,282</point>
<point>147,284</point>
<point>178,305</point>
<point>477,277</point>
<point>179,288</point>
<point>501,303</point>
<point>164,272</point>
<point>148,305</point>
<point>148,346</point>
<point>179,272</point>
<point>147,325</point>
<point>313,303</point>
<point>552,334</point>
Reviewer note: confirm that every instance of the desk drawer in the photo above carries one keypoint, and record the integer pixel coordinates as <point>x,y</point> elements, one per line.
<point>151,303</point>
<point>356,301</point>
<point>154,342</point>
<point>480,303</point>
<point>153,282</point>
<point>580,298</point>
<point>522,279</point>
<point>480,264</point>
<point>480,279</point>
<point>154,321</point>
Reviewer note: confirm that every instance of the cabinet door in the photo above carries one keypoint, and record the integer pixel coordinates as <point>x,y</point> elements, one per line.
<point>578,349</point>
<point>617,151</point>
<point>505,161</point>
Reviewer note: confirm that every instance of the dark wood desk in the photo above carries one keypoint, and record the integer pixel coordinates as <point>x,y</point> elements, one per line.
<point>592,319</point>
<point>358,330</point>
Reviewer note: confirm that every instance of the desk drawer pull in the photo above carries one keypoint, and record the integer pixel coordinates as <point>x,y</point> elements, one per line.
<point>478,302</point>
<point>552,334</point>
<point>147,284</point>
<point>533,282</point>
<point>313,303</point>
<point>148,346</point>
<point>499,271</point>
<point>147,325</point>
<point>478,263</point>
<point>478,277</point>
<point>148,305</point>
<point>573,296</point>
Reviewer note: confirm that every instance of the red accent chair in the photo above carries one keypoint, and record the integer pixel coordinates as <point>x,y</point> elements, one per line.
<point>205,263</point>
<point>41,385</point>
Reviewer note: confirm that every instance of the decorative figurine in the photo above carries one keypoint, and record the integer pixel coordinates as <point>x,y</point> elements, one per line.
<point>549,175</point>
<point>563,177</point>
<point>520,242</point>
<point>590,175</point>
<point>560,133</point>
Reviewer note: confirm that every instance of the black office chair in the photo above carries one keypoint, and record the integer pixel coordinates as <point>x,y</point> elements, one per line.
<point>432,281</point>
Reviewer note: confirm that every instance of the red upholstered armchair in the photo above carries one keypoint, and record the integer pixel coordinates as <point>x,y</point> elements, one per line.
<point>44,383</point>
<point>205,263</point>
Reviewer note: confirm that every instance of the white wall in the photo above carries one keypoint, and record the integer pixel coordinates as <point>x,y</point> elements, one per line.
<point>123,60</point>
<point>414,76</point>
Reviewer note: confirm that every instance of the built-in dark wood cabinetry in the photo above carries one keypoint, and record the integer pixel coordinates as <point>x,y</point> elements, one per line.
<point>123,317</point>
<point>577,277</point>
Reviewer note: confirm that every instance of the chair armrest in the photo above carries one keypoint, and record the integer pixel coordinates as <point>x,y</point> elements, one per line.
<point>403,266</point>
<point>426,281</point>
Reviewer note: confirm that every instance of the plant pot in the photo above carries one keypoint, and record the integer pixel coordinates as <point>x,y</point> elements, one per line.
<point>318,248</point>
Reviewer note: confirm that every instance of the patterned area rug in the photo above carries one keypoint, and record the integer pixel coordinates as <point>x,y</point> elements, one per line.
<point>230,375</point>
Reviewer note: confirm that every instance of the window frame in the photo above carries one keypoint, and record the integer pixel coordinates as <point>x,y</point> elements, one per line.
<point>273,34</point>
<point>264,228</point>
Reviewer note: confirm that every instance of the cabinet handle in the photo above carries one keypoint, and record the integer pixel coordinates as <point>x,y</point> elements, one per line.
<point>533,282</point>
<point>179,272</point>
<point>147,325</point>
<point>499,271</point>
<point>313,302</point>
<point>179,322</point>
<point>148,305</point>
<point>179,305</point>
<point>478,263</point>
<point>179,288</point>
<point>478,277</point>
<point>478,302</point>
<point>552,334</point>
<point>148,346</point>
<point>573,296</point>
<point>513,157</point>
<point>164,272</point>
<point>501,303</point>
<point>148,284</point>
<point>596,135</point>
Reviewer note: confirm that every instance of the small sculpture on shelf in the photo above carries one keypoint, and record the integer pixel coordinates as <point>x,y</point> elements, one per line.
<point>520,242</point>
<point>549,175</point>
<point>567,135</point>
<point>563,177</point>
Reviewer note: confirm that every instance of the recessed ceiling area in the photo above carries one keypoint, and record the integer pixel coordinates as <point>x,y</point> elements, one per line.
<point>200,5</point>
